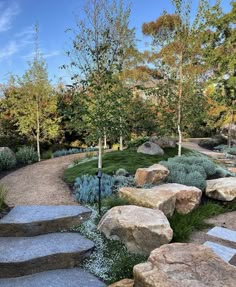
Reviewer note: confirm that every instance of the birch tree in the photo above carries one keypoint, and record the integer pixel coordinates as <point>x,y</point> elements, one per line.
<point>177,56</point>
<point>100,41</point>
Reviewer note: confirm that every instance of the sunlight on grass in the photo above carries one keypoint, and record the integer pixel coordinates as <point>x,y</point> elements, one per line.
<point>128,159</point>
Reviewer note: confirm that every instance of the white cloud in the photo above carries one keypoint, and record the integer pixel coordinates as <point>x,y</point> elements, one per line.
<point>47,55</point>
<point>9,50</point>
<point>51,54</point>
<point>7,14</point>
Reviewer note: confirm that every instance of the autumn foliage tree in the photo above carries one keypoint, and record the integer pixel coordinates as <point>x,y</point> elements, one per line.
<point>220,55</point>
<point>177,56</point>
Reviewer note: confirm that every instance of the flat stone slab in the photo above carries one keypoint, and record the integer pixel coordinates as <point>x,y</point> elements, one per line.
<point>56,278</point>
<point>29,220</point>
<point>223,233</point>
<point>26,255</point>
<point>225,253</point>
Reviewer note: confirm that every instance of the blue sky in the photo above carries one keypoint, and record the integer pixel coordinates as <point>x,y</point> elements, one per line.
<point>18,17</point>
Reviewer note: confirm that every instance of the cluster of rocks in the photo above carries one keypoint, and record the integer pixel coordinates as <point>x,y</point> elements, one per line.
<point>144,228</point>
<point>143,225</point>
<point>155,145</point>
<point>182,265</point>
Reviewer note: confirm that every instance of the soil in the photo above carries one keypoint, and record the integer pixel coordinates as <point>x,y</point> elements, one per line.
<point>40,183</point>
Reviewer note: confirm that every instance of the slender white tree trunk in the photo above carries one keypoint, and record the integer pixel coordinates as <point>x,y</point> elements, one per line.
<point>100,153</point>
<point>38,133</point>
<point>180,104</point>
<point>105,139</point>
<point>180,141</point>
<point>121,136</point>
<point>230,129</point>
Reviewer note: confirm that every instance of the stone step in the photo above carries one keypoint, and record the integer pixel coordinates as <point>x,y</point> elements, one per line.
<point>56,278</point>
<point>225,253</point>
<point>223,233</point>
<point>25,220</point>
<point>26,255</point>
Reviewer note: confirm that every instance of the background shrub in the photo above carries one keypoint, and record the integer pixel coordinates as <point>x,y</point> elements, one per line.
<point>7,160</point>
<point>26,155</point>
<point>73,151</point>
<point>211,143</point>
<point>137,142</point>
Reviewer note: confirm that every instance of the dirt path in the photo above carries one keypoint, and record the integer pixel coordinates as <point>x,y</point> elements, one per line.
<point>194,146</point>
<point>40,183</point>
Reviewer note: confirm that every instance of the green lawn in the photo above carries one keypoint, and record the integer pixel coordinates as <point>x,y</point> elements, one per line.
<point>112,161</point>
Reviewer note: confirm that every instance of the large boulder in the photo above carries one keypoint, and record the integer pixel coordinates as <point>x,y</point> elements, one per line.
<point>140,229</point>
<point>151,175</point>
<point>187,197</point>
<point>184,265</point>
<point>222,188</point>
<point>123,283</point>
<point>150,198</point>
<point>150,148</point>
<point>164,142</point>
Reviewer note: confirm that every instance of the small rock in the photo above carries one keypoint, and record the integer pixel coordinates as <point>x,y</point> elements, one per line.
<point>150,148</point>
<point>164,142</point>
<point>151,175</point>
<point>184,265</point>
<point>222,188</point>
<point>140,229</point>
<point>150,198</point>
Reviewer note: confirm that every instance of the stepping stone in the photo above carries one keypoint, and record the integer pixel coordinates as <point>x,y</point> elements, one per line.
<point>225,253</point>
<point>223,233</point>
<point>56,278</point>
<point>29,220</point>
<point>26,255</point>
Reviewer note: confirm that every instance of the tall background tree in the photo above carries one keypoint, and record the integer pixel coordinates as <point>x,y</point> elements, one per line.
<point>220,54</point>
<point>101,40</point>
<point>31,103</point>
<point>177,56</point>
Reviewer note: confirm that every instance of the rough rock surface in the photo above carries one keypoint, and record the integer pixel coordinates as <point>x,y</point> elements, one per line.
<point>151,198</point>
<point>151,175</point>
<point>164,142</point>
<point>222,188</point>
<point>187,197</point>
<point>184,265</point>
<point>56,278</point>
<point>150,148</point>
<point>39,219</point>
<point>26,255</point>
<point>140,229</point>
<point>123,283</point>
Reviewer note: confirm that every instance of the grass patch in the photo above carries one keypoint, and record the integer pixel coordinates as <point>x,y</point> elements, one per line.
<point>128,159</point>
<point>3,193</point>
<point>184,225</point>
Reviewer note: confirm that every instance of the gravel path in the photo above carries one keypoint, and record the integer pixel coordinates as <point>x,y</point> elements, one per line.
<point>194,146</point>
<point>40,183</point>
